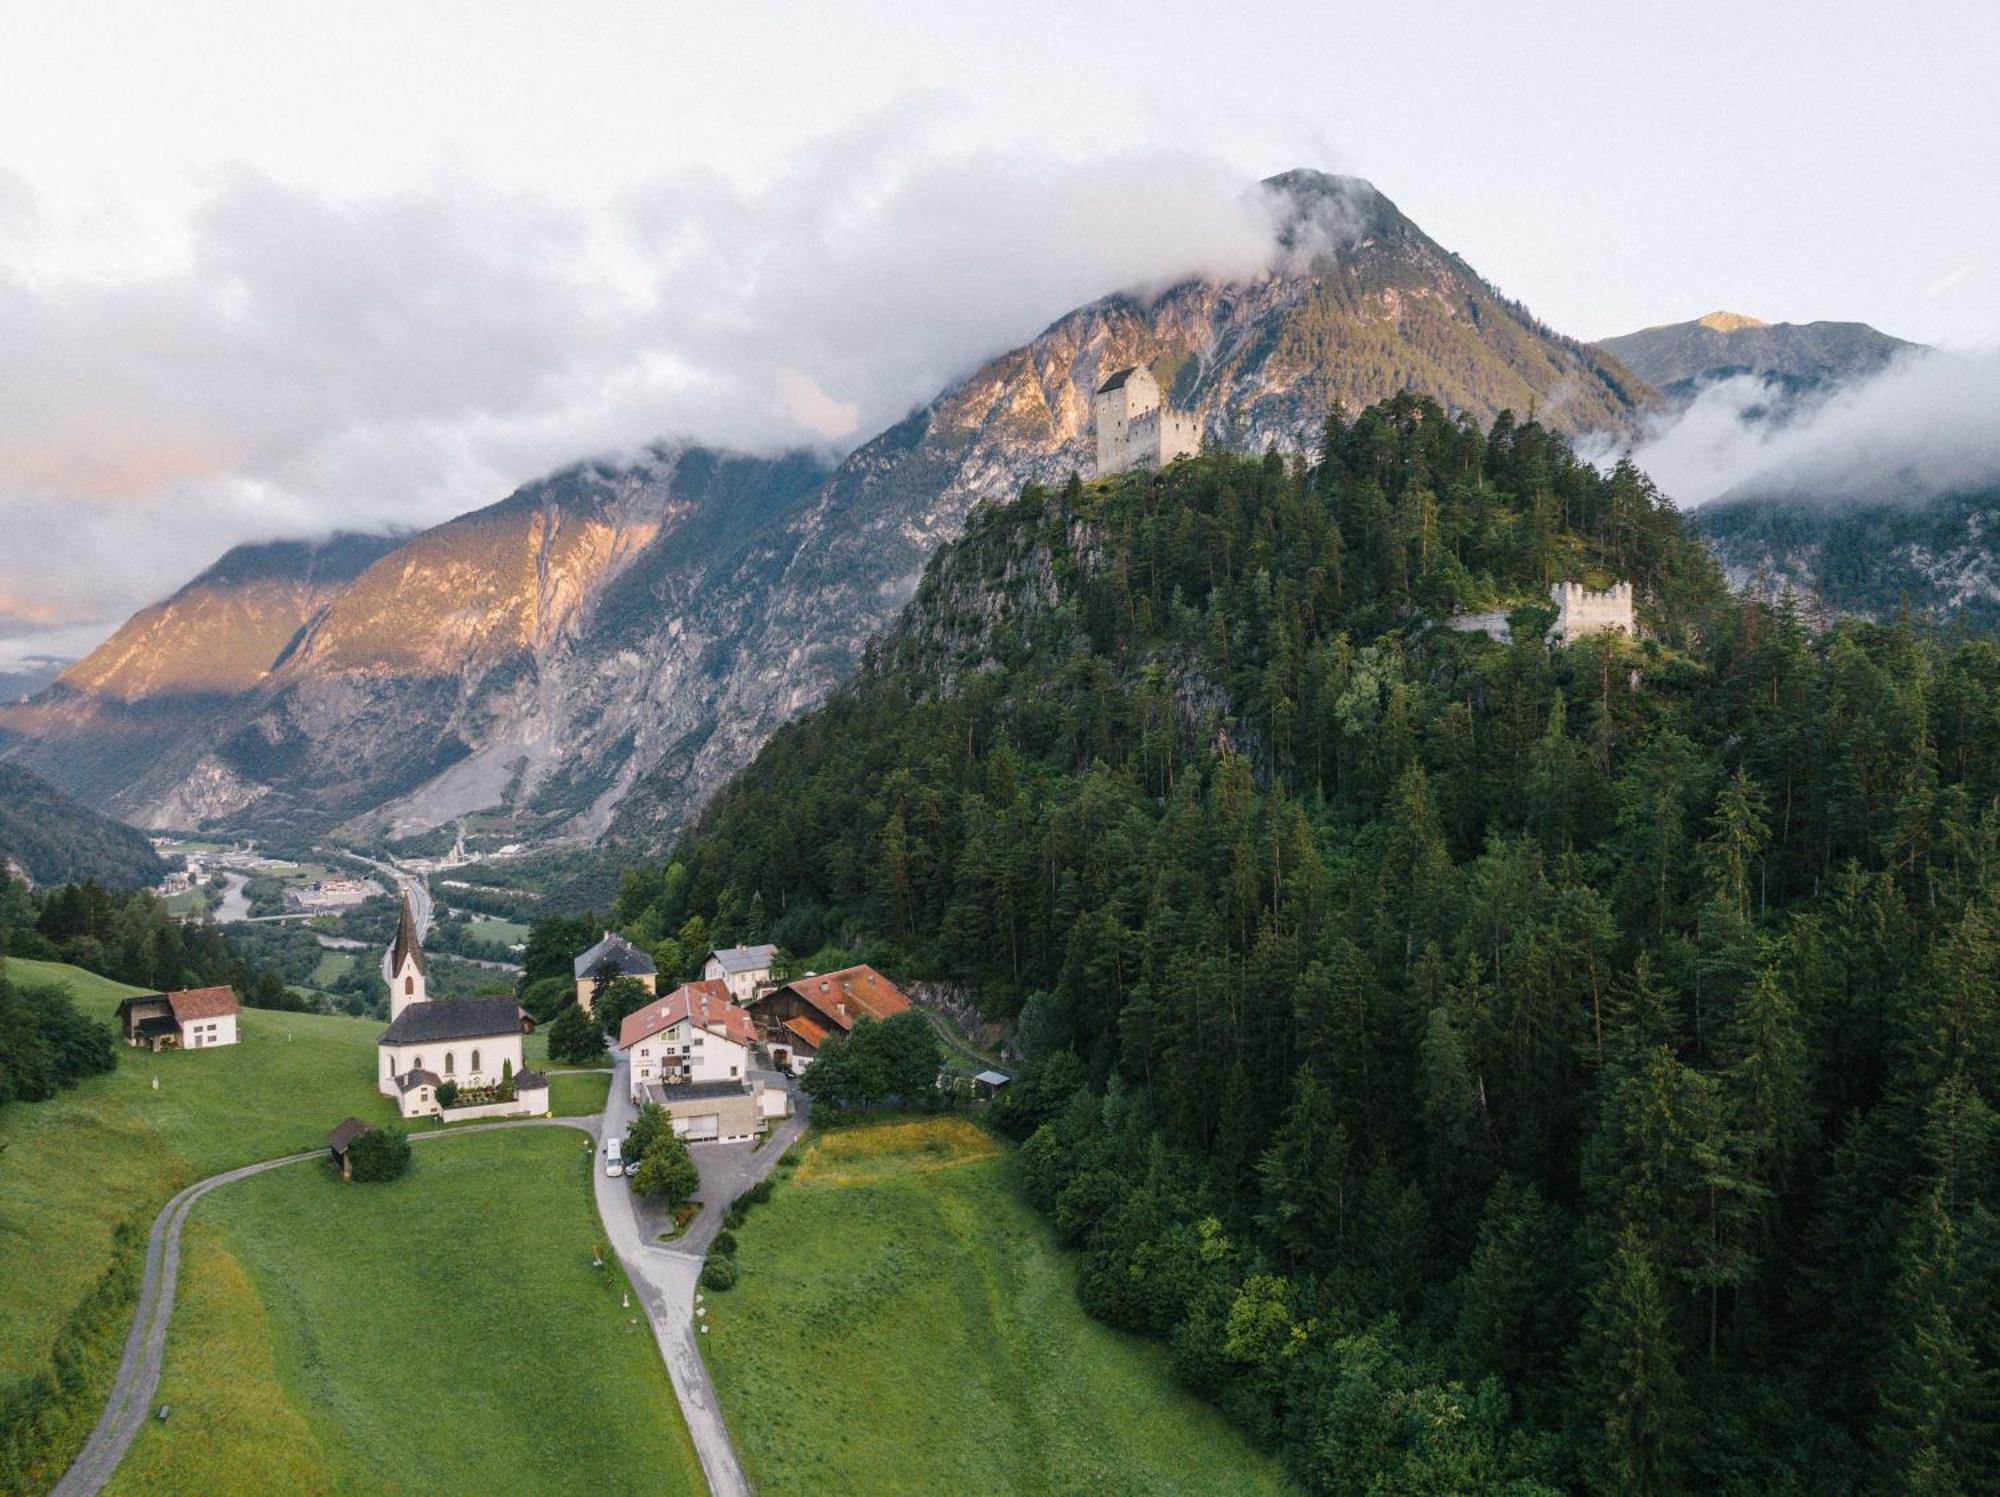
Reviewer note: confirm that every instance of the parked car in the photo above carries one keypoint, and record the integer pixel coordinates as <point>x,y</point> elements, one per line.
<point>614,1156</point>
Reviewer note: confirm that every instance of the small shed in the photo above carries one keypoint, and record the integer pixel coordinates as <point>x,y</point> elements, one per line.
<point>341,1139</point>
<point>987,1084</point>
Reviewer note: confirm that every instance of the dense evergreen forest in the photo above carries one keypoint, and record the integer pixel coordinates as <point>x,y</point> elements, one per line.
<point>1488,1067</point>
<point>54,838</point>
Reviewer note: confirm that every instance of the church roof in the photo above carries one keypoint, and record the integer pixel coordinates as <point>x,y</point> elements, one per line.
<point>615,950</point>
<point>453,1019</point>
<point>407,943</point>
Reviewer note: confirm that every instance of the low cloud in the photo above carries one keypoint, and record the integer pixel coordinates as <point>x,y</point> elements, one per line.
<point>312,364</point>
<point>1924,426</point>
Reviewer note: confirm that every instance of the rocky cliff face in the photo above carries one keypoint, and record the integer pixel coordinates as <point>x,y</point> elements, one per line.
<point>602,650</point>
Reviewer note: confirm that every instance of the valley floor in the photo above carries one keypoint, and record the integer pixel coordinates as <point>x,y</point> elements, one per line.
<point>906,1325</point>
<point>445,1333</point>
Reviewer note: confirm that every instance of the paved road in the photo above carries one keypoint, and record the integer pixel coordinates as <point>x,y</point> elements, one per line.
<point>139,1372</point>
<point>665,1275</point>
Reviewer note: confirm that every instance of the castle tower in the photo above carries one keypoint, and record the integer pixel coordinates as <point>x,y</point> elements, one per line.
<point>1120,403</point>
<point>1579,611</point>
<point>405,966</point>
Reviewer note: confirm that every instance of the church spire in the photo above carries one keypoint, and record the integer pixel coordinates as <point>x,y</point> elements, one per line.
<point>405,967</point>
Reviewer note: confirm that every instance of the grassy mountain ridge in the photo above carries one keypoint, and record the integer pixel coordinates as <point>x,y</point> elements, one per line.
<point>1800,358</point>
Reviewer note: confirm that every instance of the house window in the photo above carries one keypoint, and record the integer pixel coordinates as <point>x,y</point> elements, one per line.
<point>732,1070</point>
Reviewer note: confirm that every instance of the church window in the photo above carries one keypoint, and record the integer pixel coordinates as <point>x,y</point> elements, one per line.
<point>475,1062</point>
<point>450,1064</point>
<point>409,984</point>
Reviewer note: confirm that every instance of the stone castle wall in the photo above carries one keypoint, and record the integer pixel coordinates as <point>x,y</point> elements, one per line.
<point>1580,611</point>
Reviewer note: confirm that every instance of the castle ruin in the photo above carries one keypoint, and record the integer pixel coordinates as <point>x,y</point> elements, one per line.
<point>1580,611</point>
<point>1136,428</point>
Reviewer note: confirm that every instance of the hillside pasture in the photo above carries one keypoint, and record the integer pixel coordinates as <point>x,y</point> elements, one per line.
<point>353,1316</point>
<point>899,1289</point>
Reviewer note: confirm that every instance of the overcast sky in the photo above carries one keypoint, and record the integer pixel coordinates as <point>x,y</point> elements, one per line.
<point>270,268</point>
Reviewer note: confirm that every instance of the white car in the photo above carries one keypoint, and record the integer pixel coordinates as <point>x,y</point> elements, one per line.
<point>614,1156</point>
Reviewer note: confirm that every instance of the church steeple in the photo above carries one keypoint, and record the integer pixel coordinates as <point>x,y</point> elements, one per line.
<point>406,963</point>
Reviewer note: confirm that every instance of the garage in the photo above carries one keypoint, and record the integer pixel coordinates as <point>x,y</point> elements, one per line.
<point>703,1127</point>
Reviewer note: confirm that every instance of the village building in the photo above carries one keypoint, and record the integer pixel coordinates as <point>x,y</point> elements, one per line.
<point>192,1019</point>
<point>612,958</point>
<point>691,1052</point>
<point>744,969</point>
<point>341,1140</point>
<point>795,1019</point>
<point>474,1044</point>
<point>1136,427</point>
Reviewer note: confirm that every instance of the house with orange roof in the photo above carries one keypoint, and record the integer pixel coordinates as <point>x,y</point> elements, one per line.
<point>191,1019</point>
<point>693,1034</point>
<point>796,1019</point>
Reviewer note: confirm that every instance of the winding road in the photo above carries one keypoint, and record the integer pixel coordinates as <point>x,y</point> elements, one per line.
<point>663,1276</point>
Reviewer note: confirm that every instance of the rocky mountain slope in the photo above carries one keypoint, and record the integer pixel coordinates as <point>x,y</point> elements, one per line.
<point>1935,557</point>
<point>602,650</point>
<point>1799,358</point>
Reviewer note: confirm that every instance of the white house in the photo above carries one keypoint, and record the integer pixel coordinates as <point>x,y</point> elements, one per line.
<point>691,1037</point>
<point>192,1019</point>
<point>742,969</point>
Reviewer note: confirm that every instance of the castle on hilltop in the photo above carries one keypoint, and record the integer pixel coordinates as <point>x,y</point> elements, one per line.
<point>1135,427</point>
<point>1579,611</point>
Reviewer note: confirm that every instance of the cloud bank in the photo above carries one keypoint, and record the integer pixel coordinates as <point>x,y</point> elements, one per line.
<point>1923,427</point>
<point>311,363</point>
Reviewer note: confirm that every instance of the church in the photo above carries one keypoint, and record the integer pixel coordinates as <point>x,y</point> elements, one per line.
<point>470,1048</point>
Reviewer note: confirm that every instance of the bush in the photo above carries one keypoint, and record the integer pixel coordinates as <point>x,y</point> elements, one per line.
<point>732,1218</point>
<point>380,1154</point>
<point>725,1242</point>
<point>574,1038</point>
<point>759,1193</point>
<point>719,1272</point>
<point>789,1160</point>
<point>447,1093</point>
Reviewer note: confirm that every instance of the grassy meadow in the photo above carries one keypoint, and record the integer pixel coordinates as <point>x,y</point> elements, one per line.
<point>898,1288</point>
<point>113,1149</point>
<point>353,1317</point>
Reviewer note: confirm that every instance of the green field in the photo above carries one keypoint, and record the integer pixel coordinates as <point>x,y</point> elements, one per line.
<point>333,965</point>
<point>499,934</point>
<point>115,1148</point>
<point>360,1314</point>
<point>900,1290</point>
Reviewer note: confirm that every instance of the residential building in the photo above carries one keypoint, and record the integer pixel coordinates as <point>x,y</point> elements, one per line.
<point>693,1036</point>
<point>744,969</point>
<point>612,958</point>
<point>192,1019</point>
<point>828,1002</point>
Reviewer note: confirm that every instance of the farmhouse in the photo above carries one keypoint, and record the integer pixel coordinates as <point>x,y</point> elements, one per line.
<point>795,1019</point>
<point>694,1035</point>
<point>194,1019</point>
<point>610,958</point>
<point>473,1045</point>
<point>744,969</point>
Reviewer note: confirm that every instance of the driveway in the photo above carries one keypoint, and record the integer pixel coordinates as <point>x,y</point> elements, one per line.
<point>664,1275</point>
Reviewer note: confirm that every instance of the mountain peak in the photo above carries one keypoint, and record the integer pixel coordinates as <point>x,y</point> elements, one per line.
<point>1729,322</point>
